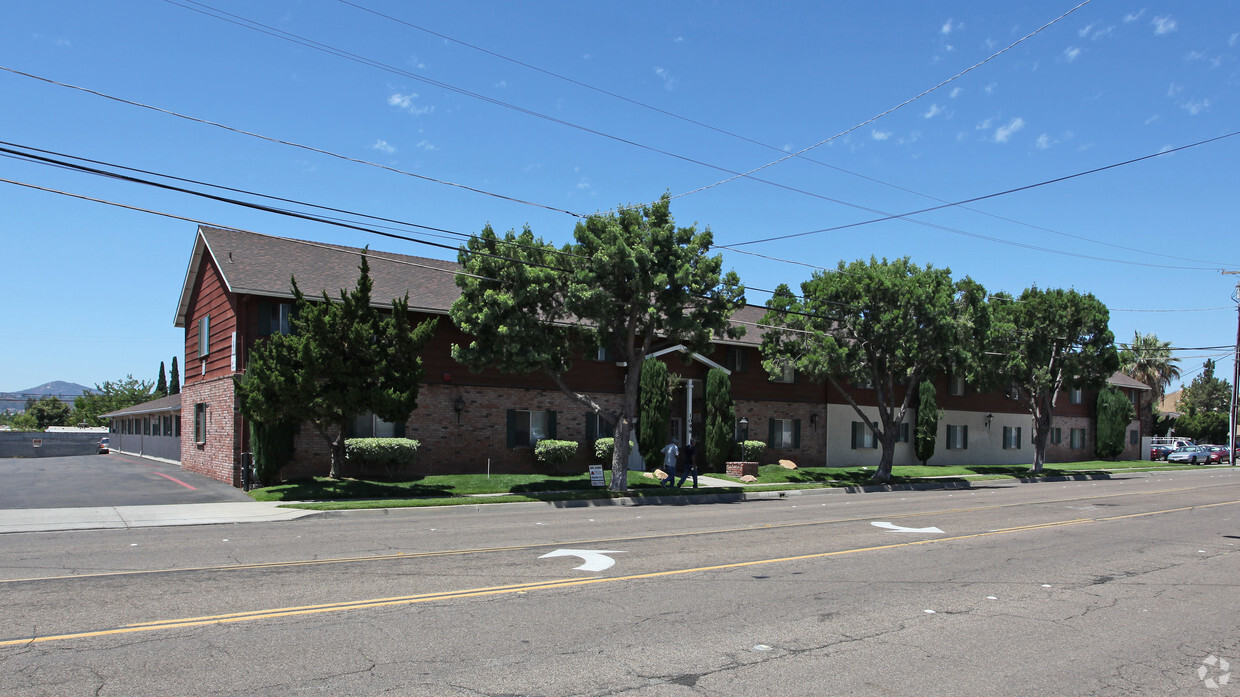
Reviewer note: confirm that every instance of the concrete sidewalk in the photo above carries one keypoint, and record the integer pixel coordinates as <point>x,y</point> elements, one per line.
<point>109,517</point>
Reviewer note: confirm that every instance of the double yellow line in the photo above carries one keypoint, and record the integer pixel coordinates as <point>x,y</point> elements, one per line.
<point>552,584</point>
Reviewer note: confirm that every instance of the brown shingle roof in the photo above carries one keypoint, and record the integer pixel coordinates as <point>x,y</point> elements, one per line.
<point>259,264</point>
<point>170,403</point>
<point>1121,380</point>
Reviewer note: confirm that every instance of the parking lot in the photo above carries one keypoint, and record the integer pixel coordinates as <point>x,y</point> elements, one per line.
<point>104,480</point>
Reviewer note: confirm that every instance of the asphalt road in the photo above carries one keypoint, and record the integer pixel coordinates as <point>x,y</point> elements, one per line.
<point>1122,587</point>
<point>104,480</point>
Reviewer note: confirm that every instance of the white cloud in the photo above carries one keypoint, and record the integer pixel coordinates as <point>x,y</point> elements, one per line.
<point>1235,39</point>
<point>1093,32</point>
<point>1153,119</point>
<point>405,103</point>
<point>956,92</point>
<point>583,183</point>
<point>880,135</point>
<point>1084,32</point>
<point>1004,133</point>
<point>1134,16</point>
<point>1071,53</point>
<point>383,147</point>
<point>1195,106</point>
<point>1044,141</point>
<point>949,26</point>
<point>502,84</point>
<point>426,145</point>
<point>1164,25</point>
<point>933,111</point>
<point>984,126</point>
<point>1174,89</point>
<point>669,82</point>
<point>990,89</point>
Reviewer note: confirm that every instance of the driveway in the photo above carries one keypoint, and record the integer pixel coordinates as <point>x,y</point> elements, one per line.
<point>104,480</point>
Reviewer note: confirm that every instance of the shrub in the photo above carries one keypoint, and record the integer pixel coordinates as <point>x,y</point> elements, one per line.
<point>720,418</point>
<point>555,452</point>
<point>751,450</point>
<point>272,445</point>
<point>390,454</point>
<point>603,449</point>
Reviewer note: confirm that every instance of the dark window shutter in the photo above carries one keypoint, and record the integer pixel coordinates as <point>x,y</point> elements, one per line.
<point>770,432</point>
<point>264,317</point>
<point>512,428</point>
<point>796,433</point>
<point>1018,437</point>
<point>550,424</point>
<point>856,440</point>
<point>398,429</point>
<point>591,427</point>
<point>964,437</point>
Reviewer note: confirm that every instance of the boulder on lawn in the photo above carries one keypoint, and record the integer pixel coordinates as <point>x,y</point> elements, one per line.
<point>749,479</point>
<point>788,464</point>
<point>659,474</point>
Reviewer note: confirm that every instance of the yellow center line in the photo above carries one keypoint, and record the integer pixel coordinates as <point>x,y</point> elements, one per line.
<point>558,583</point>
<point>578,543</point>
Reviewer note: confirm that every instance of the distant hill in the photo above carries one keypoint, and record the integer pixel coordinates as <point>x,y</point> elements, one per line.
<point>66,391</point>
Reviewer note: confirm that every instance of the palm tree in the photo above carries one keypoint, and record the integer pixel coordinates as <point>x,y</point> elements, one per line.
<point>1149,360</point>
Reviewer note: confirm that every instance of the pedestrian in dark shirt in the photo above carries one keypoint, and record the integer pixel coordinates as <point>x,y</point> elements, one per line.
<point>688,465</point>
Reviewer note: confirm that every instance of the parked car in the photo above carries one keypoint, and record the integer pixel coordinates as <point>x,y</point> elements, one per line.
<point>1159,452</point>
<point>105,445</point>
<point>1192,454</point>
<point>1218,453</point>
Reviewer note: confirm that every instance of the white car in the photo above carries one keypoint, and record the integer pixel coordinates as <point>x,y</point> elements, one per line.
<point>1192,454</point>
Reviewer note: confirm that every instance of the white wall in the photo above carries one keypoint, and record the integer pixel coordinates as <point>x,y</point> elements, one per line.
<point>985,446</point>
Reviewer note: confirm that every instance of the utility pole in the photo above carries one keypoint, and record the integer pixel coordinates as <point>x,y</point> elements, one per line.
<point>1235,381</point>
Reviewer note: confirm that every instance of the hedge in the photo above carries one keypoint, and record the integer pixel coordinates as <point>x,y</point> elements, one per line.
<point>555,452</point>
<point>751,450</point>
<point>390,454</point>
<point>603,449</point>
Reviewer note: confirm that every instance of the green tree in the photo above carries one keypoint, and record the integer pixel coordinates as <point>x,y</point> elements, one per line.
<point>1204,406</point>
<point>49,411</point>
<point>720,418</point>
<point>886,324</point>
<point>343,358</point>
<point>655,402</point>
<point>927,431</point>
<point>161,386</point>
<point>1044,342</point>
<point>1114,412</point>
<point>628,279</point>
<point>110,396</point>
<point>1149,360</point>
<point>174,384</point>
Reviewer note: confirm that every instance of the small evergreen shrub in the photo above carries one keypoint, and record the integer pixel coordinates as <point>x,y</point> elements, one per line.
<point>603,449</point>
<point>389,454</point>
<point>751,450</point>
<point>555,452</point>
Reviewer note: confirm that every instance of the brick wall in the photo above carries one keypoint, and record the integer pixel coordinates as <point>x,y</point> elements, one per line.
<point>219,455</point>
<point>813,450</point>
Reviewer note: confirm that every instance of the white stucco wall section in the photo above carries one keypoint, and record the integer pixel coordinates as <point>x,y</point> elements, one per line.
<point>985,445</point>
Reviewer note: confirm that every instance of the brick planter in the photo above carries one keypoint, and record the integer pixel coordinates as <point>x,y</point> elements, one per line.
<point>740,469</point>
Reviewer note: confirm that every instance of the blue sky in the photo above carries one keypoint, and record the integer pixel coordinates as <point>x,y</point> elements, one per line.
<point>697,89</point>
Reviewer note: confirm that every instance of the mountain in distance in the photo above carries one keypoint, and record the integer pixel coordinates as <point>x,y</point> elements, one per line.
<point>66,391</point>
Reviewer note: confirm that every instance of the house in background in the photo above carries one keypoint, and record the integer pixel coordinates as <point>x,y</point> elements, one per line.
<point>237,291</point>
<point>151,429</point>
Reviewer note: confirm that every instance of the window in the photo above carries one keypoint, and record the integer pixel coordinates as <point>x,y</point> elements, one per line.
<point>1132,397</point>
<point>598,428</point>
<point>526,428</point>
<point>146,425</point>
<point>273,318</point>
<point>1011,437</point>
<point>370,426</point>
<point>785,433</point>
<point>734,360</point>
<point>605,354</point>
<point>903,437</point>
<point>1075,396</point>
<point>155,431</point>
<point>787,374</point>
<point>176,425</point>
<point>957,437</point>
<point>862,436</point>
<point>200,423</point>
<point>956,386</point>
<point>1056,435</point>
<point>167,420</point>
<point>1133,437</point>
<point>204,336</point>
<point>1077,438</point>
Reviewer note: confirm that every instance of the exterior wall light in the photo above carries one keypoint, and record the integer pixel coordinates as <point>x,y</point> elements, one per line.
<point>989,418</point>
<point>458,406</point>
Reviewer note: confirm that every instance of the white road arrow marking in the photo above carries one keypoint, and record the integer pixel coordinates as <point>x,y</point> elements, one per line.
<point>898,528</point>
<point>595,559</point>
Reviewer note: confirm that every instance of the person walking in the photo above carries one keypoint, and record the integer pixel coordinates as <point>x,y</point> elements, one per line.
<point>687,464</point>
<point>671,453</point>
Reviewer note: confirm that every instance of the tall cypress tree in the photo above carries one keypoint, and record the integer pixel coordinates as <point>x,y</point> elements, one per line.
<point>720,418</point>
<point>656,410</point>
<point>927,421</point>
<point>161,386</point>
<point>174,386</point>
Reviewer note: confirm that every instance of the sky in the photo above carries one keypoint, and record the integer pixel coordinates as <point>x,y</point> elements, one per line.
<point>760,119</point>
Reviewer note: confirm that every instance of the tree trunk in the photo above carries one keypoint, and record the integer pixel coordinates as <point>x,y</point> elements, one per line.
<point>888,442</point>
<point>1041,433</point>
<point>624,426</point>
<point>337,456</point>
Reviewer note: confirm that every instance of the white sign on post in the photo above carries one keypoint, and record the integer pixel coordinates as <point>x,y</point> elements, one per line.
<point>38,442</point>
<point>596,476</point>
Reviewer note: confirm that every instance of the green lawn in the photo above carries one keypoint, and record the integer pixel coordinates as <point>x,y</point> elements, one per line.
<point>323,493</point>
